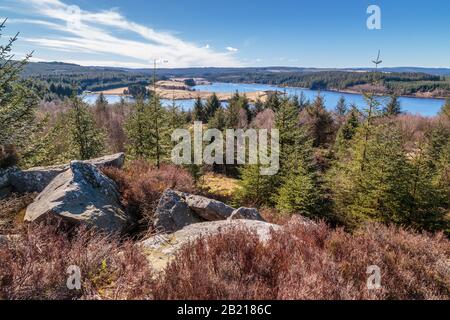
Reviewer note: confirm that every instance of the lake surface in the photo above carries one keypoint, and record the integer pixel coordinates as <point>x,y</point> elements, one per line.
<point>423,106</point>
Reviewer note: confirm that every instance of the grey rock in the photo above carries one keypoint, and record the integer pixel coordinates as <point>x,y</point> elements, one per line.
<point>162,248</point>
<point>172,212</point>
<point>5,176</point>
<point>81,195</point>
<point>116,160</point>
<point>36,179</point>
<point>209,209</point>
<point>246,213</point>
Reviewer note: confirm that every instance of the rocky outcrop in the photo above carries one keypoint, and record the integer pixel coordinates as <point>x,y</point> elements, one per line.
<point>36,179</point>
<point>178,209</point>
<point>173,213</point>
<point>116,160</point>
<point>162,248</point>
<point>5,181</point>
<point>81,195</point>
<point>246,213</point>
<point>209,209</point>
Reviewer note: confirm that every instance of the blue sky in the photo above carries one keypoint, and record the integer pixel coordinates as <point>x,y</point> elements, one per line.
<point>316,33</point>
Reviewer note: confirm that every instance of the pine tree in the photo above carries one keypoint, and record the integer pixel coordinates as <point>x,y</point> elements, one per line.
<point>218,121</point>
<point>341,107</point>
<point>428,191</point>
<point>303,102</point>
<point>299,192</point>
<point>18,104</point>
<point>255,189</point>
<point>319,121</point>
<point>379,192</point>
<point>299,189</point>
<point>86,138</point>
<point>149,131</point>
<point>212,105</point>
<point>198,111</point>
<point>257,108</point>
<point>347,131</point>
<point>272,102</point>
<point>101,112</point>
<point>140,140</point>
<point>294,139</point>
<point>393,107</point>
<point>445,111</point>
<point>238,111</point>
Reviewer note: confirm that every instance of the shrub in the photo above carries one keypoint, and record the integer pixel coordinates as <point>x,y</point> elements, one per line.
<point>11,209</point>
<point>35,266</point>
<point>310,262</point>
<point>141,185</point>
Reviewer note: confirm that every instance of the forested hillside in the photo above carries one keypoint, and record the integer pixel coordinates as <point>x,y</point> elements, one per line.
<point>57,78</point>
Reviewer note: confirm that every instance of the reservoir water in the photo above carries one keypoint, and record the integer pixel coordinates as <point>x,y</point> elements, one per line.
<point>423,106</point>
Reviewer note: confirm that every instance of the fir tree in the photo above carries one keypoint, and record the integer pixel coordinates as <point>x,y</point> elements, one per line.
<point>347,131</point>
<point>198,111</point>
<point>341,107</point>
<point>272,102</point>
<point>255,189</point>
<point>294,140</point>
<point>18,104</point>
<point>140,138</point>
<point>299,192</point>
<point>86,138</point>
<point>212,105</point>
<point>445,110</point>
<point>319,121</point>
<point>393,107</point>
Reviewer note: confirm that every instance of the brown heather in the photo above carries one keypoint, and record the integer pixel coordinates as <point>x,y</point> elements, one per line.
<point>312,262</point>
<point>35,266</point>
<point>141,185</point>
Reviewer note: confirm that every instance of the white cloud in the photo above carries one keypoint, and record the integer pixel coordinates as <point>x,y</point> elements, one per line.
<point>231,49</point>
<point>96,32</point>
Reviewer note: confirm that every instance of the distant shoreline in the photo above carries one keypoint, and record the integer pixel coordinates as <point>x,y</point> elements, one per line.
<point>178,94</point>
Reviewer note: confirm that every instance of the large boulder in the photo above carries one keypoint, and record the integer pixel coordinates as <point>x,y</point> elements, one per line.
<point>81,195</point>
<point>173,213</point>
<point>36,179</point>
<point>5,175</point>
<point>209,209</point>
<point>246,213</point>
<point>116,160</point>
<point>5,181</point>
<point>162,248</point>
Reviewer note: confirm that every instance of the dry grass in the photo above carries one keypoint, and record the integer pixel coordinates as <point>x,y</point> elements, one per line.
<point>310,262</point>
<point>218,185</point>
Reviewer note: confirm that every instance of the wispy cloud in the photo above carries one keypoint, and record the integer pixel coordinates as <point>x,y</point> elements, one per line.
<point>84,31</point>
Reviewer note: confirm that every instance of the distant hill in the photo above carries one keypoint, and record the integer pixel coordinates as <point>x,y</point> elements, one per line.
<point>402,80</point>
<point>47,68</point>
<point>432,71</point>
